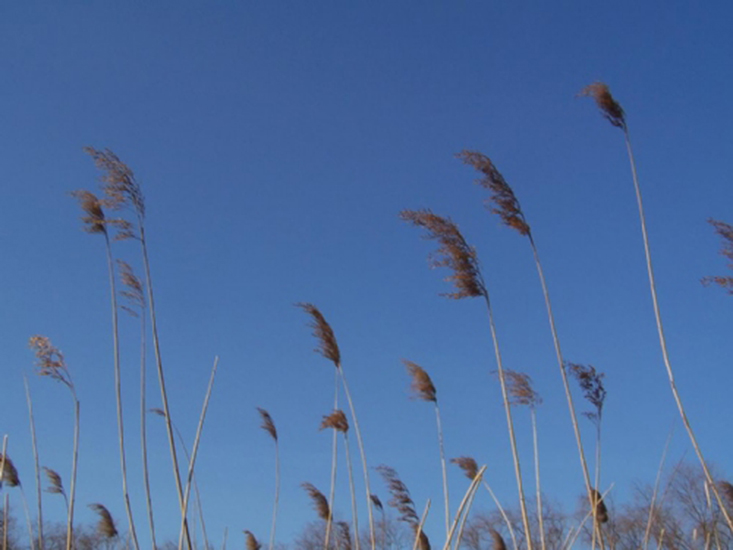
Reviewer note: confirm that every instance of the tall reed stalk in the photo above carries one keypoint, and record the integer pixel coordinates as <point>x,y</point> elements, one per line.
<point>122,190</point>
<point>328,347</point>
<point>36,462</point>
<point>269,426</point>
<point>455,253</point>
<point>614,113</point>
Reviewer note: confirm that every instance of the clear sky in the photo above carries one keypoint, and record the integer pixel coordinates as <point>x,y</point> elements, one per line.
<point>276,144</point>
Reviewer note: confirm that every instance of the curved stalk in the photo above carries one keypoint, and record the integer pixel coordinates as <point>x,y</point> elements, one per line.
<point>144,429</point>
<point>536,448</point>
<point>334,458</point>
<point>36,462</point>
<point>352,489</point>
<point>503,515</point>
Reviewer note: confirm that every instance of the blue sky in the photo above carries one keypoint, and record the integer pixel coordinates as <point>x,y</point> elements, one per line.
<point>276,144</point>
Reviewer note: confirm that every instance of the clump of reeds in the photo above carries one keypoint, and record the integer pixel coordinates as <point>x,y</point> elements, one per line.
<point>614,113</point>
<point>251,542</point>
<point>106,526</point>
<point>269,426</point>
<point>725,232</point>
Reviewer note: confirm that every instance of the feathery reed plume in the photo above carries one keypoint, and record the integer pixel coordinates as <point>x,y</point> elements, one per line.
<point>36,462</point>
<point>9,472</point>
<point>320,503</point>
<point>50,362</point>
<point>725,232</point>
<point>401,499</point>
<point>520,389</point>
<point>269,426</point>
<point>344,535</point>
<point>467,464</point>
<point>377,503</point>
<point>614,113</point>
<point>134,291</point>
<point>454,252</point>
<point>56,486</point>
<point>610,108</point>
<point>423,388</point>
<point>601,512</point>
<point>329,349</point>
<point>336,420</point>
<point>591,382</point>
<point>251,541</point>
<point>122,190</point>
<point>423,542</point>
<point>508,208</point>
<point>95,223</point>
<point>106,526</point>
<point>421,385</point>
<point>497,540</point>
<point>323,332</point>
<point>506,203</point>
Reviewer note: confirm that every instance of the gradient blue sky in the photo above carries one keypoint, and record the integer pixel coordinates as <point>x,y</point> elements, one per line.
<point>276,144</point>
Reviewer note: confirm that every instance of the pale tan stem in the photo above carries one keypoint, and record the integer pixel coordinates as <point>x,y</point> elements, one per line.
<point>277,495</point>
<point>503,515</point>
<point>35,461</point>
<point>334,458</point>
<point>652,505</point>
<point>420,525</point>
<point>74,465</point>
<point>144,429</point>
<point>464,517</point>
<point>464,507</point>
<point>443,467</point>
<point>352,489</point>
<point>536,448</point>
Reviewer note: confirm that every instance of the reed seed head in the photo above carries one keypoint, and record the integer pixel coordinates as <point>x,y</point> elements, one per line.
<point>726,489</point>
<point>56,486</point>
<point>49,360</point>
<point>344,535</point>
<point>601,510</point>
<point>9,474</point>
<point>497,540</point>
<point>133,290</point>
<point>377,503</point>
<point>323,332</point>
<point>251,541</point>
<point>519,386</point>
<point>119,184</point>
<point>725,232</point>
<point>320,503</point>
<point>502,201</point>
<point>158,412</point>
<point>591,382</point>
<point>106,526</point>
<point>267,424</point>
<point>421,385</point>
<point>423,542</point>
<point>336,420</point>
<point>610,108</point>
<point>401,499</point>
<point>468,465</point>
<point>453,252</point>
<point>93,218</point>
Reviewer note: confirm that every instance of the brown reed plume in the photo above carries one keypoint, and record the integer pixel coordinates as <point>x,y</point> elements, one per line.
<point>9,473</point>
<point>122,190</point>
<point>725,232</point>
<point>251,541</point>
<point>401,499</point>
<point>344,535</point>
<point>55,484</point>
<point>453,252</point>
<point>320,503</point>
<point>269,426</point>
<point>507,206</point>
<point>612,110</point>
<point>50,362</point>
<point>591,382</point>
<point>497,540</point>
<point>601,512</point>
<point>423,388</point>
<point>336,420</point>
<point>467,464</point>
<point>95,223</point>
<point>377,502</point>
<point>106,526</point>
<point>328,347</point>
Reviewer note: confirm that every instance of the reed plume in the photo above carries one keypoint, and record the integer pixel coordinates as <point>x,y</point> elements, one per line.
<point>455,253</point>
<point>725,232</point>
<point>401,499</point>
<point>613,112</point>
<point>269,426</point>
<point>344,535</point>
<point>497,540</point>
<point>336,420</point>
<point>9,472</point>
<point>601,512</point>
<point>423,388</point>
<point>106,526</point>
<point>377,502</point>
<point>328,347</point>
<point>251,542</point>
<point>55,484</point>
<point>319,501</point>
<point>50,362</point>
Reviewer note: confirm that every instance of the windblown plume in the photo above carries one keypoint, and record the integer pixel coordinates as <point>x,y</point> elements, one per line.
<point>609,107</point>
<point>251,541</point>
<point>133,292</point>
<point>94,220</point>
<point>497,540</point>
<point>422,386</point>
<point>336,420</point>
<point>423,542</point>
<point>157,411</point>
<point>106,526</point>
<point>344,535</point>
<point>453,252</point>
<point>323,332</point>
<point>505,203</point>
<point>519,386</point>
<point>56,486</point>
<point>119,184</point>
<point>468,465</point>
<point>49,360</point>
<point>601,510</point>
<point>377,503</point>
<point>401,499</point>
<point>591,382</point>
<point>9,474</point>
<point>725,232</point>
<point>267,424</point>
<point>320,504</point>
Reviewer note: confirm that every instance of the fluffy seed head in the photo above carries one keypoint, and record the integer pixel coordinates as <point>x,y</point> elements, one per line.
<point>336,420</point>
<point>323,332</point>
<point>725,232</point>
<point>502,201</point>
<point>423,542</point>
<point>119,184</point>
<point>93,218</point>
<point>453,252</point>
<point>519,386</point>
<point>421,385</point>
<point>609,107</point>
<point>591,382</point>
<point>497,540</point>
<point>158,412</point>
<point>133,290</point>
<point>601,510</point>
<point>377,503</point>
<point>344,535</point>
<point>251,541</point>
<point>9,474</point>
<point>55,484</point>
<point>49,360</point>
<point>106,526</point>
<point>320,503</point>
<point>267,424</point>
<point>468,465</point>
<point>401,499</point>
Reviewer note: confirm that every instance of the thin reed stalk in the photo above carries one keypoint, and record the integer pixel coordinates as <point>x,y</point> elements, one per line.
<point>6,505</point>
<point>334,465</point>
<point>194,451</point>
<point>614,113</point>
<point>464,506</point>
<point>269,426</point>
<point>655,491</point>
<point>36,461</point>
<point>536,452</point>
<point>421,539</point>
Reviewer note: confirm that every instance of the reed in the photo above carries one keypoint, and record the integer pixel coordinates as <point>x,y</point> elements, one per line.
<point>725,232</point>
<point>36,462</point>
<point>251,542</point>
<point>614,113</point>
<point>269,426</point>
<point>106,525</point>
